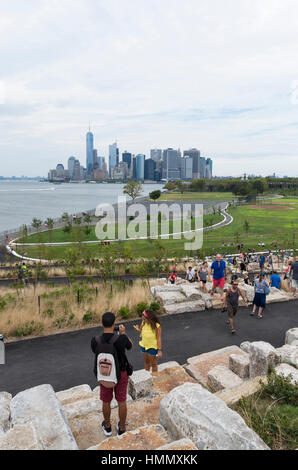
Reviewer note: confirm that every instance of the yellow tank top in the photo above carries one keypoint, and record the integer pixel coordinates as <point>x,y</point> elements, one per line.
<point>149,337</point>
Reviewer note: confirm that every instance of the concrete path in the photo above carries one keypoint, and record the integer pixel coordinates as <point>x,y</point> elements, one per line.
<point>66,360</point>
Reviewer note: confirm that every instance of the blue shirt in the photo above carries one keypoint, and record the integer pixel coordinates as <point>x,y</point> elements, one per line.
<point>262,259</point>
<point>218,270</point>
<point>275,281</point>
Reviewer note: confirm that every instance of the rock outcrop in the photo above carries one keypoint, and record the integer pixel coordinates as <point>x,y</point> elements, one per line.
<point>191,412</point>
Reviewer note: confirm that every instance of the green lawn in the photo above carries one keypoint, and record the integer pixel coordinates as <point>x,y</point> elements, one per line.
<point>197,196</point>
<point>266,225</point>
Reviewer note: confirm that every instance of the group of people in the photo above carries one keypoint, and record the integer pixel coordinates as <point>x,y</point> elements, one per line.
<point>112,368</point>
<point>230,299</point>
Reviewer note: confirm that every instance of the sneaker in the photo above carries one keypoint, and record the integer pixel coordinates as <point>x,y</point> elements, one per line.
<point>107,431</point>
<point>119,430</point>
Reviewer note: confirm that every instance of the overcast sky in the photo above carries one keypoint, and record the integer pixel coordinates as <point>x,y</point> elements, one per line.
<point>218,75</point>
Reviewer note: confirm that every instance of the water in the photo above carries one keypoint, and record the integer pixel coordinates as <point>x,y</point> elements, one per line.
<point>20,201</point>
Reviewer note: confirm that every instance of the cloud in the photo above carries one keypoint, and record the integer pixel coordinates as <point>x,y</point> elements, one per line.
<point>214,75</point>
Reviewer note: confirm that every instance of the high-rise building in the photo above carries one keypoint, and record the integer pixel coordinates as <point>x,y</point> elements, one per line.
<point>95,160</point>
<point>202,167</point>
<point>186,168</point>
<point>140,166</point>
<point>195,155</point>
<point>172,159</point>
<point>149,169</point>
<point>70,166</point>
<point>101,161</point>
<point>113,157</point>
<point>126,157</point>
<point>89,152</point>
<point>209,169</point>
<point>156,154</point>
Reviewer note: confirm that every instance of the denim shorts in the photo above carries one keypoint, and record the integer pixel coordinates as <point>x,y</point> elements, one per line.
<point>151,352</point>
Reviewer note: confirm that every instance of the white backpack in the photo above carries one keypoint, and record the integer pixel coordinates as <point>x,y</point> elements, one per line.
<point>107,363</point>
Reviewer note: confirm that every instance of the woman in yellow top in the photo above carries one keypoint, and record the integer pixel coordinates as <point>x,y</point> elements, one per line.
<point>150,343</point>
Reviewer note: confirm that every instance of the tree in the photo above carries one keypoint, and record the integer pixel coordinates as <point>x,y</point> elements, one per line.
<point>181,186</point>
<point>50,224</point>
<point>133,189</point>
<point>155,195</point>
<point>36,223</point>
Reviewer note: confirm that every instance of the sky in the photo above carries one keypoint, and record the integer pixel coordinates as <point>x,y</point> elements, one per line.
<point>218,76</point>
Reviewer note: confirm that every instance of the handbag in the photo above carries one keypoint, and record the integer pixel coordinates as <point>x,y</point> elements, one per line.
<point>267,290</point>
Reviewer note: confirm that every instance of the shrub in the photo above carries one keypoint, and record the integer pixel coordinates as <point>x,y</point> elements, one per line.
<point>2,303</point>
<point>49,312</point>
<point>141,307</point>
<point>89,317</point>
<point>28,329</point>
<point>124,312</point>
<point>155,306</point>
<point>282,389</point>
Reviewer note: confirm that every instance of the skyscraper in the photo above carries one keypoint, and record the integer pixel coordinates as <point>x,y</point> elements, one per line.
<point>195,155</point>
<point>209,169</point>
<point>113,157</point>
<point>149,169</point>
<point>171,158</point>
<point>156,154</point>
<point>89,152</point>
<point>186,168</point>
<point>140,166</point>
<point>70,166</point>
<point>202,167</point>
<point>126,157</point>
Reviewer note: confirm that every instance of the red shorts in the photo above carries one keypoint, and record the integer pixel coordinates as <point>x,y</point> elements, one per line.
<point>219,283</point>
<point>106,394</point>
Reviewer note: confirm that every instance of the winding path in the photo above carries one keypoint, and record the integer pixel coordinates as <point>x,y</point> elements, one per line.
<point>227,220</point>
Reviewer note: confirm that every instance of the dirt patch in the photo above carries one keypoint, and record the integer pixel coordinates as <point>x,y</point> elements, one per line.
<point>273,207</point>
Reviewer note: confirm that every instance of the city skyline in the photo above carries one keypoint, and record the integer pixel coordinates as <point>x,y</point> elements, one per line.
<point>222,77</point>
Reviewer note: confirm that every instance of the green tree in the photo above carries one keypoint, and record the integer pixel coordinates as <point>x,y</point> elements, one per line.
<point>155,195</point>
<point>246,226</point>
<point>133,189</point>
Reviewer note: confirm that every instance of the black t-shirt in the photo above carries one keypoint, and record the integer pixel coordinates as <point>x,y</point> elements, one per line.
<point>121,345</point>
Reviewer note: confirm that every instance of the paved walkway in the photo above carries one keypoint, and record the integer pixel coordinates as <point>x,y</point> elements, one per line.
<point>66,360</point>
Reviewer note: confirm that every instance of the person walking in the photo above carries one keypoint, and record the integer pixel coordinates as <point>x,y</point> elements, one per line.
<point>150,343</point>
<point>118,343</point>
<point>262,261</point>
<point>190,275</point>
<point>287,276</point>
<point>261,288</point>
<point>202,276</point>
<point>218,269</point>
<point>294,275</point>
<point>173,277</point>
<point>232,303</point>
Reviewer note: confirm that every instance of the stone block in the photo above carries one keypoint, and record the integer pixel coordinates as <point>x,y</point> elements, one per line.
<point>73,394</point>
<point>40,407</point>
<point>185,307</point>
<point>245,346</point>
<point>82,407</point>
<point>170,298</point>
<point>262,356</point>
<point>286,370</point>
<point>292,337</point>
<point>220,377</point>
<point>239,364</point>
<point>166,288</point>
<point>289,354</point>
<point>144,438</point>
<point>170,378</point>
<point>192,412</point>
<point>20,437</point>
<point>199,366</point>
<point>182,444</point>
<point>248,387</point>
<point>140,384</point>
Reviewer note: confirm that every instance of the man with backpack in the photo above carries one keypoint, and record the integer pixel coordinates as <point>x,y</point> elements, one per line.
<point>111,369</point>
